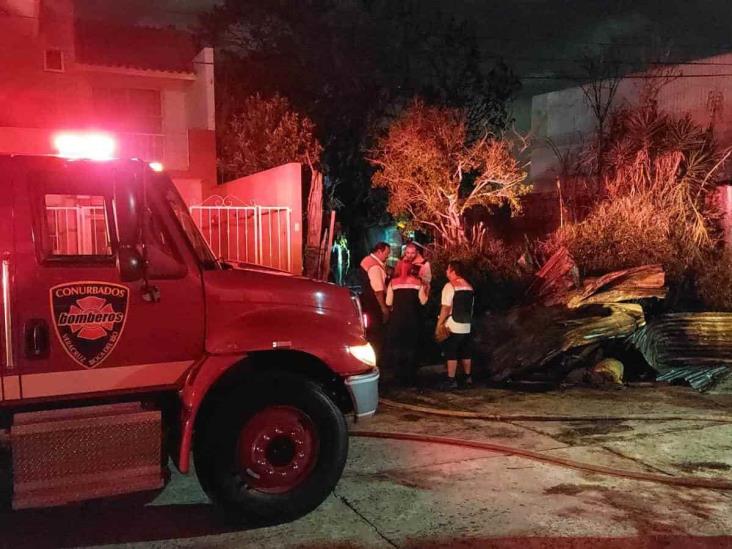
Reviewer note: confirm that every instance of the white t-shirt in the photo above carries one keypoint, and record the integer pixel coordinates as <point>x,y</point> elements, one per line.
<point>448,294</point>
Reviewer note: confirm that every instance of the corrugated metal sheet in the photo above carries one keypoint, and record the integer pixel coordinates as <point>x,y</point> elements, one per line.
<point>695,347</point>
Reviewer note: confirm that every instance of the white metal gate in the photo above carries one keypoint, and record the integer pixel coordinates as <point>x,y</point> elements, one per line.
<point>78,230</point>
<point>252,234</point>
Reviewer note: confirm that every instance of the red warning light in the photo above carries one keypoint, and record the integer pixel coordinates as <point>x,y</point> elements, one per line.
<point>92,146</point>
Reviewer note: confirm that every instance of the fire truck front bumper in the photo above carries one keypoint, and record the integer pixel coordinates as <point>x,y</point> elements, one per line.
<point>364,391</point>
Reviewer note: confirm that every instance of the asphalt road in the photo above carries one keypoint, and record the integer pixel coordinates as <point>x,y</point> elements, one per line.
<point>410,494</point>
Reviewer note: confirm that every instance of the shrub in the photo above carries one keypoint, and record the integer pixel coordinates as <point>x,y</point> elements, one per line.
<point>492,268</point>
<point>632,231</point>
<point>266,132</point>
<point>624,233</point>
<point>714,281</point>
<point>658,174</point>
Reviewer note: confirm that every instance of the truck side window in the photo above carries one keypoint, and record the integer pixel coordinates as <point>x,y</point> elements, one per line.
<point>180,210</point>
<point>77,225</point>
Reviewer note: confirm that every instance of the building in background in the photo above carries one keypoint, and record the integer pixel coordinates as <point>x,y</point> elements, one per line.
<point>153,90</point>
<point>149,87</point>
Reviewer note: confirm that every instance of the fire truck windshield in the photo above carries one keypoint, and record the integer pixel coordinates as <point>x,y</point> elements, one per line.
<point>179,208</point>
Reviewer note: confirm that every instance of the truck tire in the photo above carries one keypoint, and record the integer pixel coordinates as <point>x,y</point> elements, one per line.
<point>272,451</point>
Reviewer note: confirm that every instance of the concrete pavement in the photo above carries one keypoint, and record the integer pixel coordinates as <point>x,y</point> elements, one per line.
<point>409,494</point>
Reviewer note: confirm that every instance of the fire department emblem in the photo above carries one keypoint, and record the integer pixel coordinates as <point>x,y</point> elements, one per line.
<point>89,318</point>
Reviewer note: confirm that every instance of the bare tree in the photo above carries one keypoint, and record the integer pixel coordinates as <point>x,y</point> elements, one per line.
<point>602,75</point>
<point>659,75</point>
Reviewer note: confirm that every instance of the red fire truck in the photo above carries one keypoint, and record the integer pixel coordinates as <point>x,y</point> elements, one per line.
<point>127,344</point>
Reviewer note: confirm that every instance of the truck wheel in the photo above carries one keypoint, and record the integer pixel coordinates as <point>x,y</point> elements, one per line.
<point>273,451</point>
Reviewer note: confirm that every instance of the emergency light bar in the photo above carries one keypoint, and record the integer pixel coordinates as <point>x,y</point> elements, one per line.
<point>92,146</point>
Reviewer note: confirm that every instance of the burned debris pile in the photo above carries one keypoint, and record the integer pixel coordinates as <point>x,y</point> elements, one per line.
<point>694,347</point>
<point>566,325</point>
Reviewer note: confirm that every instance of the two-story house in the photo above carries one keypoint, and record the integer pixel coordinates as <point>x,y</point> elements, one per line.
<point>149,87</point>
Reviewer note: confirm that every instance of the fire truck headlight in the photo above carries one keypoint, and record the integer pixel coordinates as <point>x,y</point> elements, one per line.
<point>364,353</point>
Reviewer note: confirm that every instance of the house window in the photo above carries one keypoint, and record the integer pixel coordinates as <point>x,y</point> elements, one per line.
<point>129,110</point>
<point>77,225</point>
<point>53,60</point>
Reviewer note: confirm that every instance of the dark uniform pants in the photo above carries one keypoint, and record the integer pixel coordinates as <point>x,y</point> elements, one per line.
<point>401,349</point>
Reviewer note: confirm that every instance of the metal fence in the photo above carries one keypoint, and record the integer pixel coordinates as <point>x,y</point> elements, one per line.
<point>78,230</point>
<point>252,234</point>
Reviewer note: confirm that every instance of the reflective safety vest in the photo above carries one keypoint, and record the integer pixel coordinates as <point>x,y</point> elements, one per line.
<point>462,304</point>
<point>405,297</point>
<point>369,303</point>
<point>407,310</point>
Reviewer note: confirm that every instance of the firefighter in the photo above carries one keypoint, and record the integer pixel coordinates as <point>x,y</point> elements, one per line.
<point>420,267</point>
<point>455,319</point>
<point>406,294</point>
<point>373,295</point>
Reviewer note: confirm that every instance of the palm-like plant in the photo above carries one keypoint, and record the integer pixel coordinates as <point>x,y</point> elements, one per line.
<point>670,162</point>
<point>656,176</point>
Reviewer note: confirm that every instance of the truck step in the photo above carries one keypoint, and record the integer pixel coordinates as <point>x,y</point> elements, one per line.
<point>71,455</point>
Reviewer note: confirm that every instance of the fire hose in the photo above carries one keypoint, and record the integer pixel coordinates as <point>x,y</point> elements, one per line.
<point>689,482</point>
<point>536,417</point>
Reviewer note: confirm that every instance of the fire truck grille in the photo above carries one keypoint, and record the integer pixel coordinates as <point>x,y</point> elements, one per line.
<point>63,456</point>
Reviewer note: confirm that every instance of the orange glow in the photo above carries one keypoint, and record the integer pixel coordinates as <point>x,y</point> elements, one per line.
<point>156,166</point>
<point>92,146</point>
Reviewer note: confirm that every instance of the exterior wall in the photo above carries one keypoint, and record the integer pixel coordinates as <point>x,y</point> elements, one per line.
<point>202,161</point>
<point>200,100</point>
<point>561,117</point>
<point>189,189</point>
<point>280,186</point>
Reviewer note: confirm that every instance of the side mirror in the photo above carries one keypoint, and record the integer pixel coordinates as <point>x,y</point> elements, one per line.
<point>127,208</point>
<point>129,264</point>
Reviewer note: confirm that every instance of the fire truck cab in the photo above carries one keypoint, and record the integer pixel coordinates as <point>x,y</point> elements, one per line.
<point>126,344</point>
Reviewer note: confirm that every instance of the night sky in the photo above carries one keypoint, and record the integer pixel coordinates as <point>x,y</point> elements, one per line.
<point>540,39</point>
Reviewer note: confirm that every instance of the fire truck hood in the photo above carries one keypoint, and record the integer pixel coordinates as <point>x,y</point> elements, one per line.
<point>259,284</point>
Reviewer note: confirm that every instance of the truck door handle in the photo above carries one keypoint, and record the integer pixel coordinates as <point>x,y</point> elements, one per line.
<point>36,338</point>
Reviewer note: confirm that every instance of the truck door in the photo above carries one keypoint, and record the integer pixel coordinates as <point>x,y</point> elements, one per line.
<point>81,328</point>
<point>8,372</point>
